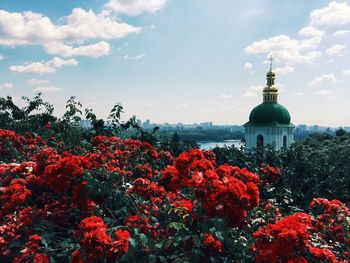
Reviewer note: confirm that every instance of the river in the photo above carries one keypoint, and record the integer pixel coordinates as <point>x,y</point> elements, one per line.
<point>207,145</point>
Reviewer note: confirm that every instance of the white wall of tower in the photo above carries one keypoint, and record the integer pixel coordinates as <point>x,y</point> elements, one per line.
<point>271,135</point>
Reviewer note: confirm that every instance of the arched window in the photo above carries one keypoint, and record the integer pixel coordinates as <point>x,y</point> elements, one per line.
<point>285,141</point>
<point>259,142</point>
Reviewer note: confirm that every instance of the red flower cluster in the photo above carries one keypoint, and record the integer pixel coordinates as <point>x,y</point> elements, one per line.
<point>61,175</point>
<point>142,223</point>
<point>270,174</point>
<point>13,195</point>
<point>289,240</point>
<point>227,191</point>
<point>14,226</point>
<point>148,190</point>
<point>30,252</point>
<point>211,244</point>
<point>323,255</point>
<point>97,244</point>
<point>283,240</point>
<point>332,222</point>
<point>116,154</point>
<point>12,144</point>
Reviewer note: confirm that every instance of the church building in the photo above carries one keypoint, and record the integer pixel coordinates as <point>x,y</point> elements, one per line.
<point>269,122</point>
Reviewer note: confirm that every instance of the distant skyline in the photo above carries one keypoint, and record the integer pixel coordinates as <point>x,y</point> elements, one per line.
<point>180,61</point>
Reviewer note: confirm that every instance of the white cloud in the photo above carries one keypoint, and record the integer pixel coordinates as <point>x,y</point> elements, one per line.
<point>78,27</point>
<point>47,89</point>
<point>311,31</point>
<point>135,7</point>
<point>341,33</point>
<point>6,86</point>
<point>140,56</point>
<point>281,87</point>
<point>253,91</point>
<point>299,94</point>
<point>335,14</point>
<point>95,50</point>
<point>346,72</point>
<point>36,67</point>
<point>137,57</point>
<point>83,25</point>
<point>37,81</point>
<point>248,66</point>
<point>44,67</point>
<point>285,70</point>
<point>336,49</point>
<point>287,50</point>
<point>257,88</point>
<point>249,94</point>
<point>2,57</point>
<point>324,79</point>
<point>57,62</point>
<point>324,92</point>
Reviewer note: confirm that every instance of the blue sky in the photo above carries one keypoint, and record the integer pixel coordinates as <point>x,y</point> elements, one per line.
<point>180,60</point>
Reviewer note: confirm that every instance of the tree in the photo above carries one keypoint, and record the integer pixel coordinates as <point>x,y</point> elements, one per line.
<point>340,132</point>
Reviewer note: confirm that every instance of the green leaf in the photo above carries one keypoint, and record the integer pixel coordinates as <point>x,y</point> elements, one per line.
<point>167,243</point>
<point>14,244</point>
<point>144,239</point>
<point>132,242</point>
<point>196,242</point>
<point>152,258</point>
<point>159,245</point>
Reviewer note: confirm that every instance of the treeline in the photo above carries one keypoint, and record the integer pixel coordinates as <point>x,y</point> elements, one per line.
<point>202,135</point>
<point>37,116</point>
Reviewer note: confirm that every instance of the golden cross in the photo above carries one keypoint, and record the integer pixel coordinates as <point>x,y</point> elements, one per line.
<point>271,60</point>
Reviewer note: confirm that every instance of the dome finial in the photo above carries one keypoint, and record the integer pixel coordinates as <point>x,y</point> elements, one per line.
<point>270,92</point>
<point>271,60</point>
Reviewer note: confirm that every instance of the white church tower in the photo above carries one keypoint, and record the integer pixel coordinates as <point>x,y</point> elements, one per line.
<point>269,123</point>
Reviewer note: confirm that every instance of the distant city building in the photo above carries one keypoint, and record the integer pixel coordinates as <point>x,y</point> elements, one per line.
<point>269,123</point>
<point>206,124</point>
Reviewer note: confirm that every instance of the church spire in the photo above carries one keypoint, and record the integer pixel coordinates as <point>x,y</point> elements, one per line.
<point>270,91</point>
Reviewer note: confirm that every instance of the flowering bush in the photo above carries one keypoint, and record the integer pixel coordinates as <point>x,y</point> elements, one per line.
<point>123,200</point>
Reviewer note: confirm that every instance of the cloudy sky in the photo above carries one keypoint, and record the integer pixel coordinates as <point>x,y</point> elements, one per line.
<point>180,60</point>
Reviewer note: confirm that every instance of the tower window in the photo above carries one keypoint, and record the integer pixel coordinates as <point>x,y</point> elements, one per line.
<point>259,142</point>
<point>285,141</point>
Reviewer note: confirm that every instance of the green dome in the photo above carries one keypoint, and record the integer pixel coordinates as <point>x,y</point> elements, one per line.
<point>269,114</point>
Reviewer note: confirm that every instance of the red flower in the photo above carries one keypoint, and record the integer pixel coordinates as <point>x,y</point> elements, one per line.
<point>279,242</point>
<point>184,204</point>
<point>97,244</point>
<point>30,252</point>
<point>211,244</point>
<point>13,195</point>
<point>48,126</point>
<point>270,174</point>
<point>323,254</point>
<point>76,257</point>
